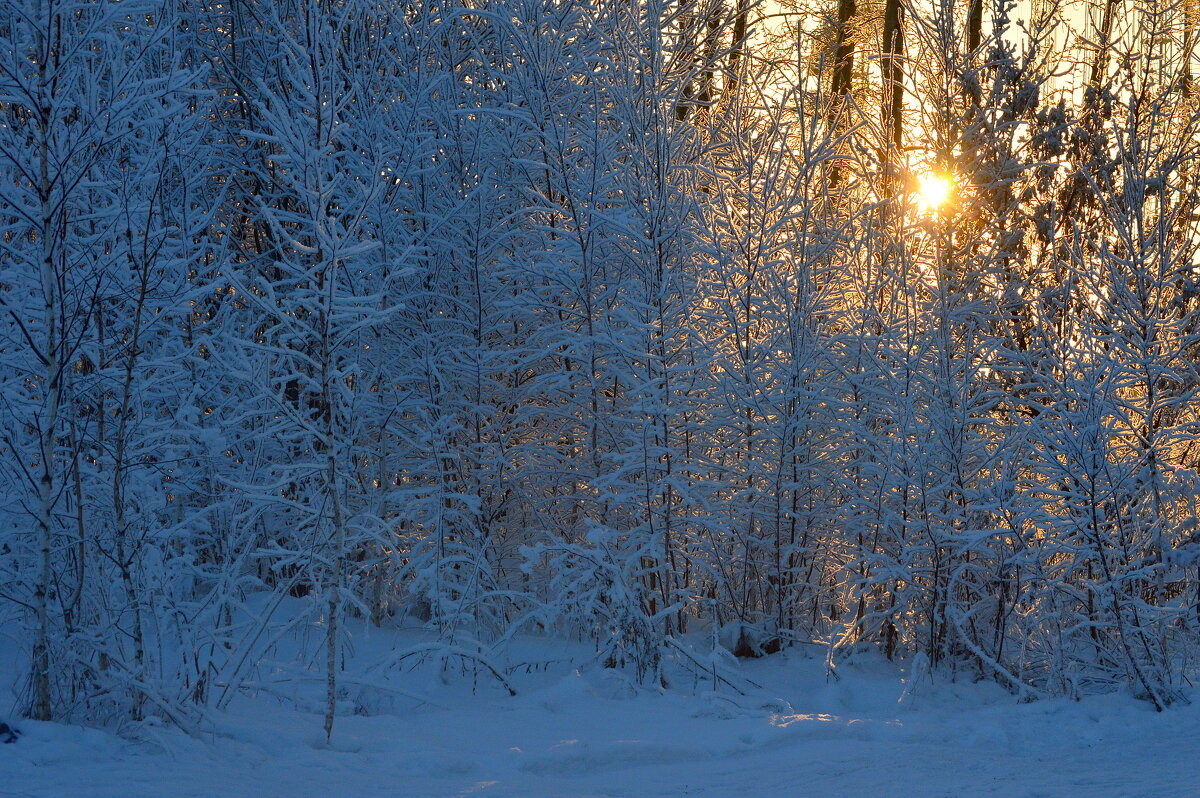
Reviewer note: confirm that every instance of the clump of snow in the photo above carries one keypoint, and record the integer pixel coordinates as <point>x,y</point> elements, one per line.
<point>749,641</point>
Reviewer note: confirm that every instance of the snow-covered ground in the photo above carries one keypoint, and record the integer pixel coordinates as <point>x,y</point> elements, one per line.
<point>572,732</point>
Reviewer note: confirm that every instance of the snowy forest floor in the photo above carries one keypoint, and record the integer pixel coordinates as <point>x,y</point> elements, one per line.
<point>579,732</point>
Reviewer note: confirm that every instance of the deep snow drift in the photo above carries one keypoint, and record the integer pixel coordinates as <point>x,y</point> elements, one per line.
<point>577,730</point>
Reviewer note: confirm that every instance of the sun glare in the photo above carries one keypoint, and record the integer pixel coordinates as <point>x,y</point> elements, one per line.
<point>933,191</point>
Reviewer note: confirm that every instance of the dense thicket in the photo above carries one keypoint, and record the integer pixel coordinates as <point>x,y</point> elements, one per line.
<point>619,320</point>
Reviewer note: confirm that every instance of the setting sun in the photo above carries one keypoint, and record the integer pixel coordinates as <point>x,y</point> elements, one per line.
<point>933,191</point>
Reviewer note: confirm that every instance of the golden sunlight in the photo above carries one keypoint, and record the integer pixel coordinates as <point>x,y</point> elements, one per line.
<point>933,191</point>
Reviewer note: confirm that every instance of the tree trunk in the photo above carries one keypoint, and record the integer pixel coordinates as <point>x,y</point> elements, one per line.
<point>893,78</point>
<point>974,25</point>
<point>1100,59</point>
<point>47,424</point>
<point>737,50</point>
<point>843,66</point>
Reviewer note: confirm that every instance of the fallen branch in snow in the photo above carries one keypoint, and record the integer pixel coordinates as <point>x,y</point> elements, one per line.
<point>446,651</point>
<point>709,669</point>
<point>249,641</point>
<point>1024,690</point>
<point>534,667</point>
<point>355,681</point>
<point>345,680</point>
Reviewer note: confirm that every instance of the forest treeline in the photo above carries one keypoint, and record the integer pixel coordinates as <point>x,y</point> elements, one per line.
<point>618,320</point>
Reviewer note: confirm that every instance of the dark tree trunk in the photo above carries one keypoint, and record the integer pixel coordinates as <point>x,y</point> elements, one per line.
<point>1190,13</point>
<point>974,25</point>
<point>843,71</point>
<point>843,67</point>
<point>892,65</point>
<point>739,42</point>
<point>1100,60</point>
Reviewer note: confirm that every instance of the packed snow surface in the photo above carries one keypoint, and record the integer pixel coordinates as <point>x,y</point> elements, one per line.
<point>577,730</point>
